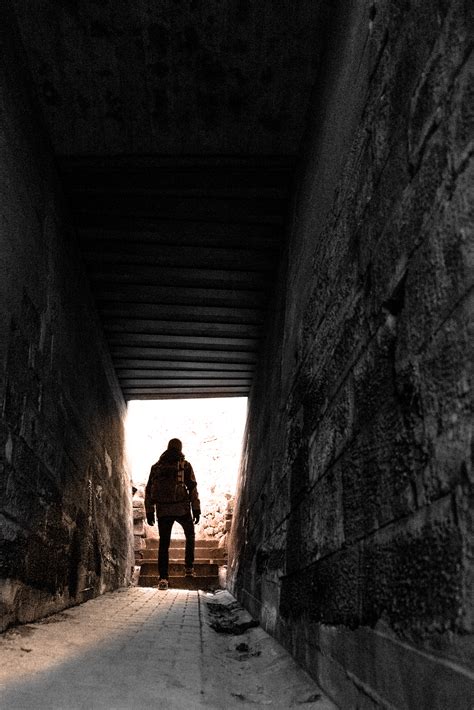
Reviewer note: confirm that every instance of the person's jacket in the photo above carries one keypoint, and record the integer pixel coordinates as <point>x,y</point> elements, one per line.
<point>171,486</point>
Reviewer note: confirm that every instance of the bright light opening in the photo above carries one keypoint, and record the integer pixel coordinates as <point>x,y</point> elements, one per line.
<point>211,431</point>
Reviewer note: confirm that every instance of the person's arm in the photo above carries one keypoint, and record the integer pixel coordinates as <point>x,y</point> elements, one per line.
<point>191,485</point>
<point>149,505</point>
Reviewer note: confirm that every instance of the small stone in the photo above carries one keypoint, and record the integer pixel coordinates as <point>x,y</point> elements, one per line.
<point>138,543</point>
<point>138,527</point>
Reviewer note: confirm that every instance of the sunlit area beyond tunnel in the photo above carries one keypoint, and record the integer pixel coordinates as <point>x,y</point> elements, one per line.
<point>211,431</point>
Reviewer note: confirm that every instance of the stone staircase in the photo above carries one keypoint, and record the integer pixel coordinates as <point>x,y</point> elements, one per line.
<point>207,561</point>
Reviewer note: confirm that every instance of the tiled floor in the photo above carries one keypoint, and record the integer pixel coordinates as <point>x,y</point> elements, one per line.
<point>141,648</point>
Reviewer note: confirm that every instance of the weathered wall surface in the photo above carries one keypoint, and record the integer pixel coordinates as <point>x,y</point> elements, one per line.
<point>353,537</point>
<point>225,77</point>
<point>65,510</point>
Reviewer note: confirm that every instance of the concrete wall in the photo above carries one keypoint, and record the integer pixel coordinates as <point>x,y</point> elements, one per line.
<point>176,78</point>
<point>65,508</point>
<point>352,538</point>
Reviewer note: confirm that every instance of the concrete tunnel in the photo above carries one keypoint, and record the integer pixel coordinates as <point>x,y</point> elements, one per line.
<point>271,200</point>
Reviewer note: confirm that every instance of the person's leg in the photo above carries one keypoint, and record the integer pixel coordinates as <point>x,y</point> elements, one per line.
<point>187,524</point>
<point>165,523</point>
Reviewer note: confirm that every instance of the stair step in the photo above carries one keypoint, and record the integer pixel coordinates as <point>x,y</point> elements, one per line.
<point>199,555</point>
<point>177,568</point>
<point>175,561</point>
<point>152,543</point>
<point>179,553</point>
<point>205,551</point>
<point>198,582</point>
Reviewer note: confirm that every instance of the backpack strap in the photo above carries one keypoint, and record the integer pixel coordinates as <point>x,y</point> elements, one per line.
<point>180,471</point>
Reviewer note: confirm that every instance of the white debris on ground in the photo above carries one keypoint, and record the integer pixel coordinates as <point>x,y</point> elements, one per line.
<point>250,665</point>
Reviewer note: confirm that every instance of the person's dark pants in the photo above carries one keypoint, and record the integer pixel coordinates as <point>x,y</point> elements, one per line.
<point>165,524</point>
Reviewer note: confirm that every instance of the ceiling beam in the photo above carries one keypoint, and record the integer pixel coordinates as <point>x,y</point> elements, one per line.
<point>164,327</point>
<point>147,340</point>
<point>149,274</point>
<point>183,313</point>
<point>123,354</point>
<point>127,293</point>
<point>143,368</point>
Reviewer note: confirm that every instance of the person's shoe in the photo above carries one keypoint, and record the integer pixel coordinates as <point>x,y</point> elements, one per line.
<point>189,572</point>
<point>163,584</point>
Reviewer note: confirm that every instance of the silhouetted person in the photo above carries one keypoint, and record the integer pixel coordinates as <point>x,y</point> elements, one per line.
<point>172,490</point>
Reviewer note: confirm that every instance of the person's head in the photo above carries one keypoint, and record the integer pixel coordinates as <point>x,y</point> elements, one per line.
<point>175,444</point>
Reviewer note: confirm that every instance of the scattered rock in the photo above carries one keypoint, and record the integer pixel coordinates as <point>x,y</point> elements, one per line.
<point>20,631</point>
<point>135,575</point>
<point>138,543</point>
<point>239,696</point>
<point>138,528</point>
<point>229,617</point>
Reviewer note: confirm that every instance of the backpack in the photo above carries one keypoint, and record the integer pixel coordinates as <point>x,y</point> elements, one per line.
<point>167,482</point>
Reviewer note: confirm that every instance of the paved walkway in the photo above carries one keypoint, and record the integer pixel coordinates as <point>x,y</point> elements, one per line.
<point>139,648</point>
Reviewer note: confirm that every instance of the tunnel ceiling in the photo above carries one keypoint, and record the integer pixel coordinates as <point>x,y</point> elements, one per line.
<point>176,127</point>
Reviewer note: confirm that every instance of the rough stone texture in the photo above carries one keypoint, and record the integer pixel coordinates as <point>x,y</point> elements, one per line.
<point>65,514</point>
<point>352,538</point>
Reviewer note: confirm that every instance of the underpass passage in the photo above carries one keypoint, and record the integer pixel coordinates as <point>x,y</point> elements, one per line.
<point>141,648</point>
<point>149,144</point>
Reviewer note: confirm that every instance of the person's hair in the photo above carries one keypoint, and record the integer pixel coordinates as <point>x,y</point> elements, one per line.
<point>175,444</point>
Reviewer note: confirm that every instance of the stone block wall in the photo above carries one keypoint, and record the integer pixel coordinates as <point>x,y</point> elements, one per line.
<point>353,534</point>
<point>65,510</point>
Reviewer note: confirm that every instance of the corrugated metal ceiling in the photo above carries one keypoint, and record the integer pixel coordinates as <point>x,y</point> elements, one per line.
<point>182,255</point>
<point>176,126</point>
